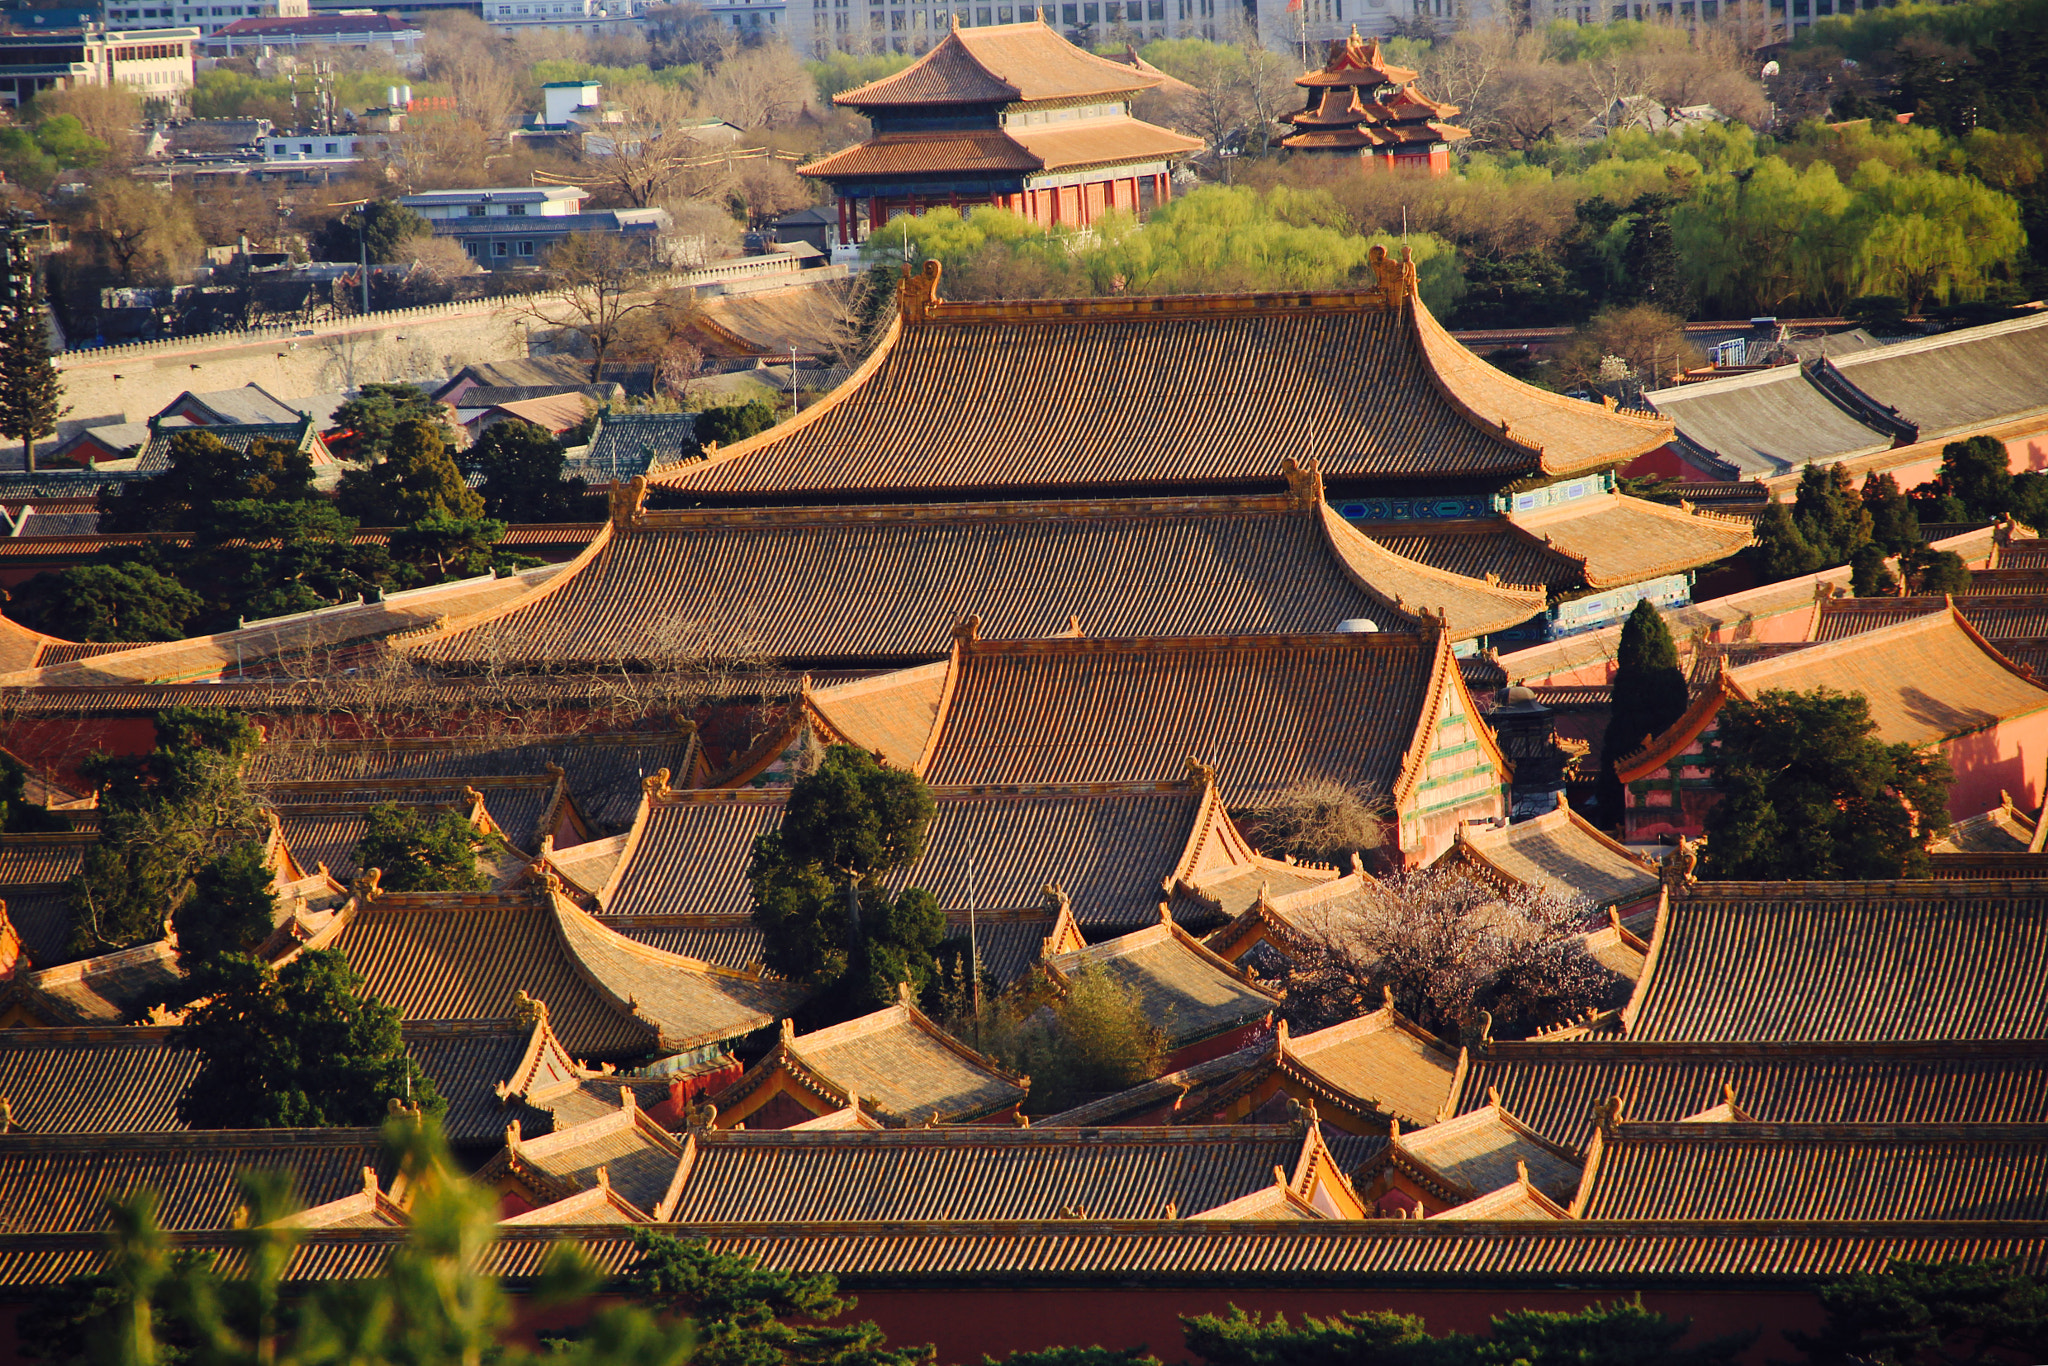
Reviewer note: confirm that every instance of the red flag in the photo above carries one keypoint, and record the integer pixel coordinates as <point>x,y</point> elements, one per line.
<point>1294,6</point>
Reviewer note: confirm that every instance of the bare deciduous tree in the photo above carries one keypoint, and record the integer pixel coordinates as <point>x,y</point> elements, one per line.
<point>1322,821</point>
<point>1448,947</point>
<point>595,294</point>
<point>760,87</point>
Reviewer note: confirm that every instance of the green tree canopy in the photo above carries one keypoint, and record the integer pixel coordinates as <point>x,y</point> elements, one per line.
<point>1975,471</point>
<point>416,479</point>
<point>204,471</point>
<point>163,816</point>
<point>30,387</point>
<point>106,602</point>
<point>1621,1334</point>
<point>521,466</point>
<point>380,226</point>
<point>418,851</point>
<point>440,546</point>
<point>364,424</point>
<point>1894,525</point>
<point>256,559</point>
<point>1809,791</point>
<point>231,907</point>
<point>1931,1314</point>
<point>1649,694</point>
<point>297,1047</point>
<point>827,915</point>
<point>733,422</point>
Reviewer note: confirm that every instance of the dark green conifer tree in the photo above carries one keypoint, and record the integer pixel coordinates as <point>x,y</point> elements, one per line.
<point>1649,694</point>
<point>1894,525</point>
<point>299,1047</point>
<point>1868,575</point>
<point>30,389</point>
<point>821,896</point>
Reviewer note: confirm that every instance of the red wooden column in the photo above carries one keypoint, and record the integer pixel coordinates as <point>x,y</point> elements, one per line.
<point>844,240</point>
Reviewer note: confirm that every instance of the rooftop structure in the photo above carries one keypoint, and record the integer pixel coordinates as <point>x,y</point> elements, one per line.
<point>816,587</point>
<point>604,773</point>
<point>1200,1003</point>
<point>107,1080</point>
<point>1011,115</point>
<point>1363,107</point>
<point>1560,1088</point>
<point>1387,710</point>
<point>1358,1075</point>
<point>1559,852</point>
<point>61,1183</point>
<point>382,34</point>
<point>1932,681</point>
<point>1739,1170</point>
<point>1002,399</point>
<point>1002,1173</point>
<point>1929,389</point>
<point>1788,963</point>
<point>1429,1171</point>
<point>902,1069</point>
<point>608,996</point>
<point>1112,850</point>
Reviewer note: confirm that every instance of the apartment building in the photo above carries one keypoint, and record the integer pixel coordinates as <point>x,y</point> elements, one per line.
<point>156,62</point>
<point>209,19</point>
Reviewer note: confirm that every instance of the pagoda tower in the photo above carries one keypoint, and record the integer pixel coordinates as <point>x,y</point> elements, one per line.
<point>1360,105</point>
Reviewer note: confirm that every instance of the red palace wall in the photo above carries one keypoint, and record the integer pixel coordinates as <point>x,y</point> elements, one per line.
<point>965,1325</point>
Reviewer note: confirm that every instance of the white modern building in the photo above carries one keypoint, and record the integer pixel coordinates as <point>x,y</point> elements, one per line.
<point>590,17</point>
<point>915,26</point>
<point>156,63</point>
<point>207,18</point>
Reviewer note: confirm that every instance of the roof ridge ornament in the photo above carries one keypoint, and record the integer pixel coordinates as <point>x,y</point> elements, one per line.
<point>629,500</point>
<point>917,294</point>
<point>1395,275</point>
<point>1304,481</point>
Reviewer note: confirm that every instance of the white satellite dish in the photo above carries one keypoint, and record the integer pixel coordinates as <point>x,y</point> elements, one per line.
<point>1770,68</point>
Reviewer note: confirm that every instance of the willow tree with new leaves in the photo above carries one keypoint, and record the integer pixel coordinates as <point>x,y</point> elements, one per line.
<point>821,884</point>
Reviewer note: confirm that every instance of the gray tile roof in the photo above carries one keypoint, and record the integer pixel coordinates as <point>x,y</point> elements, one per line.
<point>626,444</point>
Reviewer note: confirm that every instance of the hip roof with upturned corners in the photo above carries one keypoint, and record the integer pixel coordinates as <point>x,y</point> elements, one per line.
<point>846,587</point>
<point>1820,962</point>
<point>1165,393</point>
<point>1795,1172</point>
<point>1262,711</point>
<point>1927,679</point>
<point>1558,1087</point>
<point>999,64</point>
<point>606,995</point>
<point>979,1172</point>
<point>1110,848</point>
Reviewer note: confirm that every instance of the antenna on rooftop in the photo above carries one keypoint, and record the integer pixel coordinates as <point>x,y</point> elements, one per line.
<point>974,952</point>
